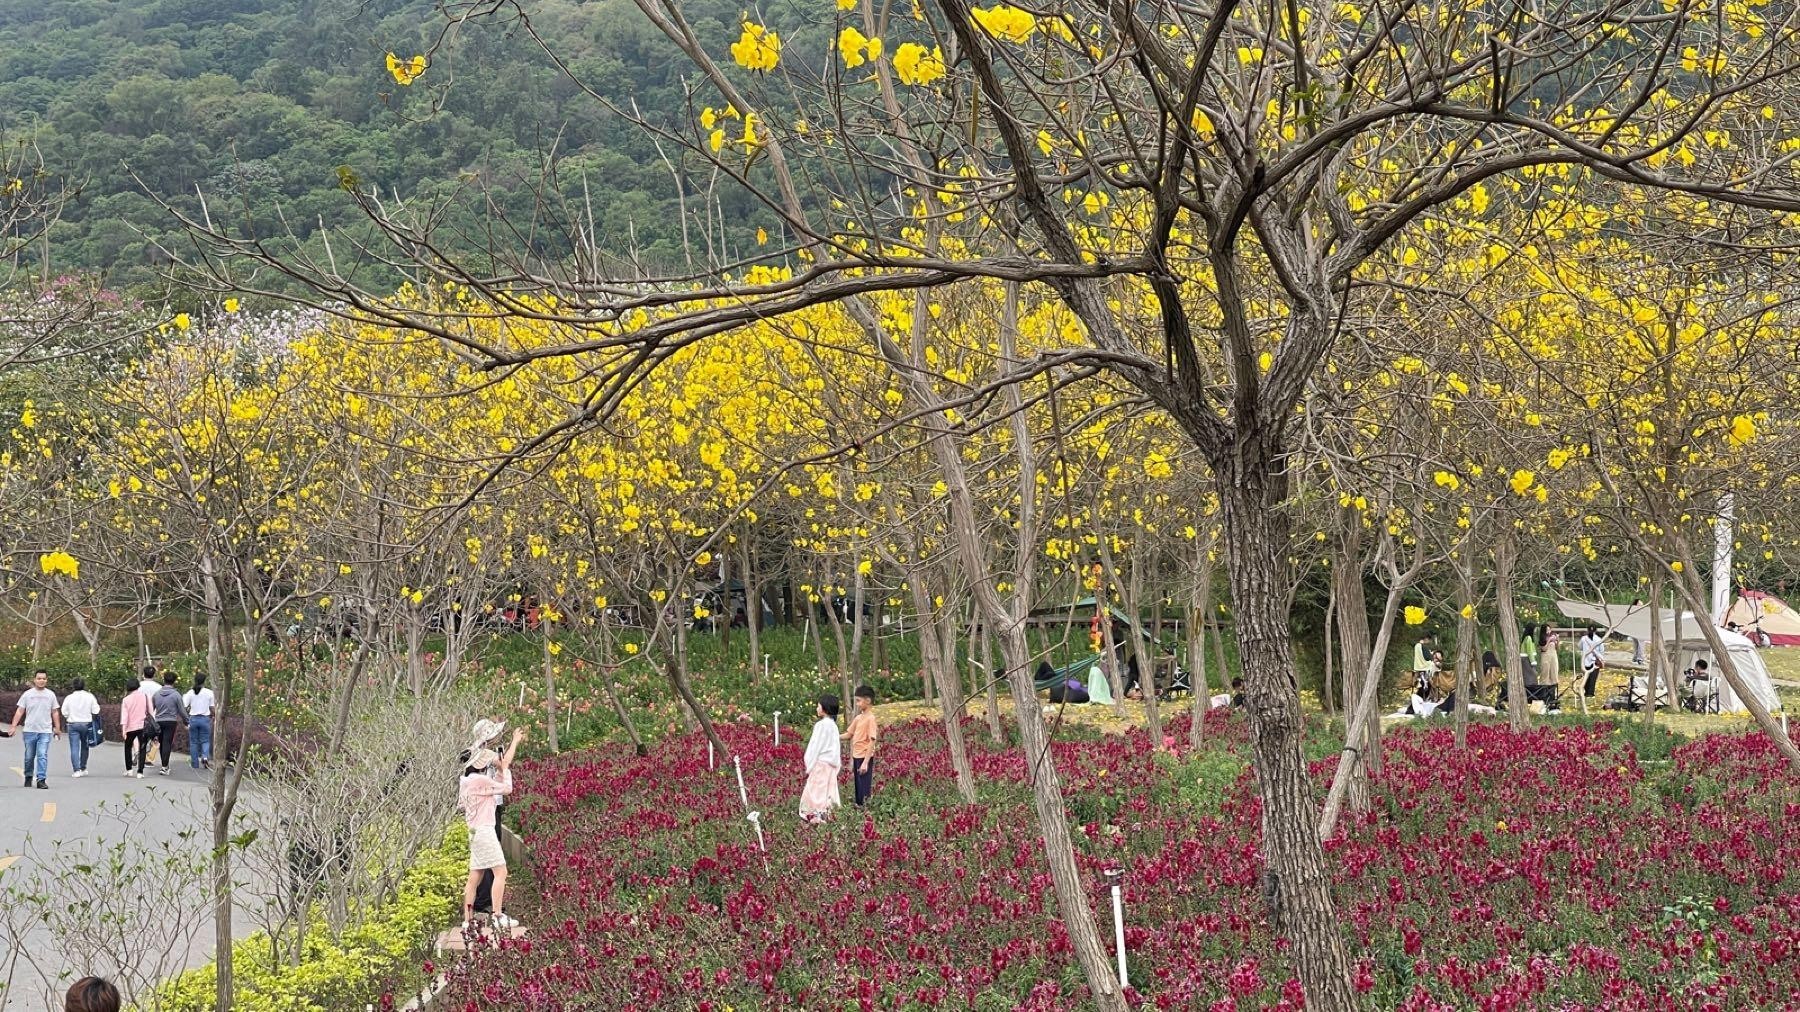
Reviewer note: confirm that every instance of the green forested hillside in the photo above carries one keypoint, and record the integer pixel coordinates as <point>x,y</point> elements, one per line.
<point>263,99</point>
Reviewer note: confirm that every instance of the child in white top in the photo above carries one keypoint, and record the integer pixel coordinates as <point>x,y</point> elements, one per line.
<point>824,759</point>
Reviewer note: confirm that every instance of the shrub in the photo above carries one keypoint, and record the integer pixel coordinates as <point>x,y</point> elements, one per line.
<point>108,675</point>
<point>380,954</point>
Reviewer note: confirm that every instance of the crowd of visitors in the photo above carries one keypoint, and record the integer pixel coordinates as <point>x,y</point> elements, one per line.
<point>150,713</point>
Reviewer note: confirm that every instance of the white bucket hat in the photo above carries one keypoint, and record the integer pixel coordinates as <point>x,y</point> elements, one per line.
<point>485,731</point>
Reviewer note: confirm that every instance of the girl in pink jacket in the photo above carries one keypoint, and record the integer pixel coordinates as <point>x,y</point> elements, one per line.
<point>134,715</point>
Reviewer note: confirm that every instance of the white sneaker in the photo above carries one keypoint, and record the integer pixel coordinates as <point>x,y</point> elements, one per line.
<point>80,773</point>
<point>140,776</point>
<point>165,771</point>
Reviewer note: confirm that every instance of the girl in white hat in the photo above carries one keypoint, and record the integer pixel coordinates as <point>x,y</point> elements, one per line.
<point>479,793</point>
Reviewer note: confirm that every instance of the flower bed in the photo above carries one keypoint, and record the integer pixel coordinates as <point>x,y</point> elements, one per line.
<point>1550,869</point>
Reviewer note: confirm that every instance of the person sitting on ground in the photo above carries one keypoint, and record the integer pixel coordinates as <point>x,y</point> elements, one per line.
<point>1492,673</point>
<point>1237,692</point>
<point>91,994</point>
<point>1069,691</point>
<point>1697,686</point>
<point>1422,664</point>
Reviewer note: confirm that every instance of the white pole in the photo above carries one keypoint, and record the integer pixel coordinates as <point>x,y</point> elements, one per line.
<point>743,795</point>
<point>1119,929</point>
<point>709,754</point>
<point>756,820</point>
<point>765,667</point>
<point>521,695</point>
<point>777,728</point>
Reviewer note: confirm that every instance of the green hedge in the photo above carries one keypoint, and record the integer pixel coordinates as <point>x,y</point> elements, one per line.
<point>109,677</point>
<point>355,968</point>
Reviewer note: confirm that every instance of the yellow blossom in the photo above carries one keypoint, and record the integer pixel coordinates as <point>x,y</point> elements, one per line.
<point>757,48</point>
<point>916,66</point>
<point>857,48</point>
<point>1005,22</point>
<point>60,562</point>
<point>406,71</point>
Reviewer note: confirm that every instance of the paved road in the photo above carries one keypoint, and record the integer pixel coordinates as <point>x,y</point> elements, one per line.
<point>83,814</point>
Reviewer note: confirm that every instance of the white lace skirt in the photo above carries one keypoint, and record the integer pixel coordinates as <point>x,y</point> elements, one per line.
<point>484,849</point>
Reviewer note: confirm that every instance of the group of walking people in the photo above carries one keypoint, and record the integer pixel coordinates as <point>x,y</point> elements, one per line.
<point>152,711</point>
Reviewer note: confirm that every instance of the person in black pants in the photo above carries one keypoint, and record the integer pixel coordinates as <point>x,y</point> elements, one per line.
<point>169,713</point>
<point>863,734</point>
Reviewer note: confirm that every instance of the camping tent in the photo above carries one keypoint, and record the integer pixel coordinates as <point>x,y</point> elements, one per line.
<point>1633,620</point>
<point>1757,610</point>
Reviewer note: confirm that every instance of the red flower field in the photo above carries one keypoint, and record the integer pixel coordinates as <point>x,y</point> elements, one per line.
<point>1556,869</point>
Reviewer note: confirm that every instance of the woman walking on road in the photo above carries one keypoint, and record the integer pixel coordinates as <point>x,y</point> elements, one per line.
<point>166,707</point>
<point>81,712</point>
<point>199,706</point>
<point>134,722</point>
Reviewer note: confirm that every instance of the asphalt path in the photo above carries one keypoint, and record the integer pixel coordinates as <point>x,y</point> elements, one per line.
<point>84,814</point>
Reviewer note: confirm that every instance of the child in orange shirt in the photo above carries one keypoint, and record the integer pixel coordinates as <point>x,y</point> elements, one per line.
<point>862,735</point>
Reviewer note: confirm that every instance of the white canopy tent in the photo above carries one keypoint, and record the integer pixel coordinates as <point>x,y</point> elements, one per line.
<point>1634,621</point>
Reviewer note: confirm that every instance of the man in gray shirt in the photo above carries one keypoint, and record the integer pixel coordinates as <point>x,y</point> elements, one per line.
<point>167,709</point>
<point>37,711</point>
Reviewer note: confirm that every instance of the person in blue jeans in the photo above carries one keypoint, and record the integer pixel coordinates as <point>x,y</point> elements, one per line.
<point>199,703</point>
<point>37,712</point>
<point>80,713</point>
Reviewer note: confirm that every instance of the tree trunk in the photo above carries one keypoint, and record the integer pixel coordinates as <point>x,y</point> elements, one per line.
<point>1467,654</point>
<point>1197,626</point>
<point>837,633</point>
<point>1504,557</point>
<point>222,790</point>
<point>675,666</point>
<point>618,708</point>
<point>1355,653</point>
<point>950,704</point>
<point>878,638</point>
<point>550,690</point>
<point>1218,650</point>
<point>752,611</point>
<point>1326,699</point>
<point>340,722</point>
<point>859,589</point>
<point>1053,823</point>
<point>1657,658</point>
<point>1296,879</point>
<point>996,730</point>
